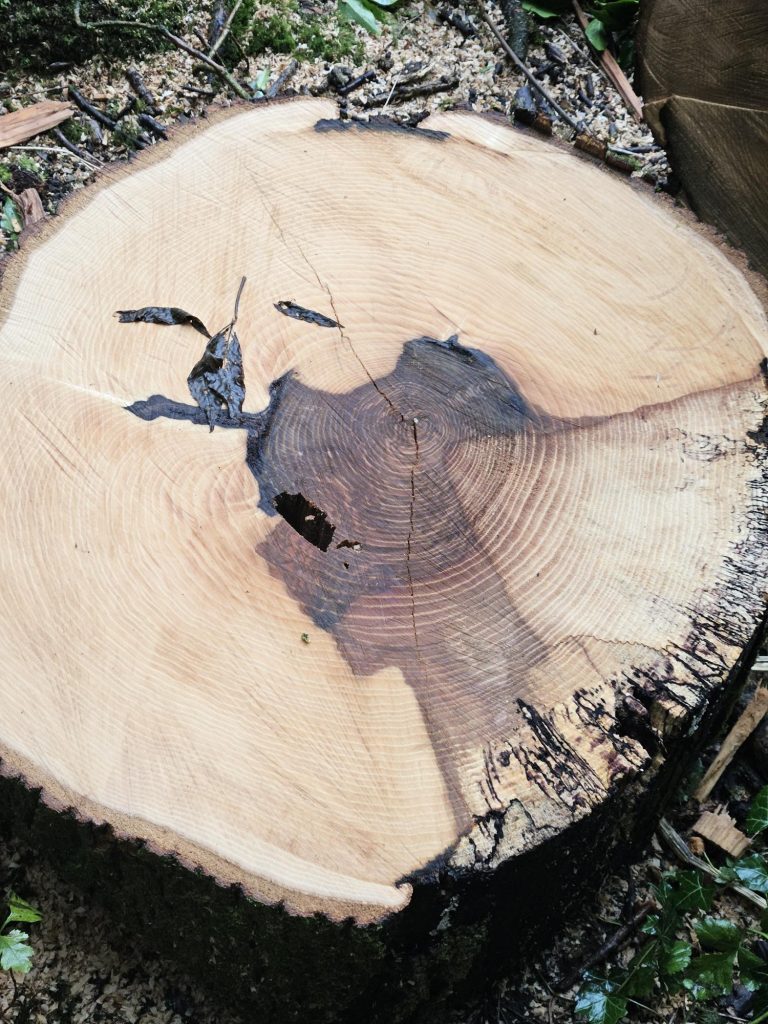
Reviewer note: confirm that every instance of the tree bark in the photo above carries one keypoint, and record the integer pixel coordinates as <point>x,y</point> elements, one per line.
<point>362,621</point>
<point>703,75</point>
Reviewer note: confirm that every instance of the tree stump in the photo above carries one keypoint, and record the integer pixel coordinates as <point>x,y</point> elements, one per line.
<point>704,78</point>
<point>350,636</point>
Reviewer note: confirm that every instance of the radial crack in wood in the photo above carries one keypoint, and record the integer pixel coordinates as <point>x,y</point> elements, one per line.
<point>516,503</point>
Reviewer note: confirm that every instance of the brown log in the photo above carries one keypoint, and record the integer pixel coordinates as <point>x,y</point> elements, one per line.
<point>32,120</point>
<point>704,78</point>
<point>422,632</point>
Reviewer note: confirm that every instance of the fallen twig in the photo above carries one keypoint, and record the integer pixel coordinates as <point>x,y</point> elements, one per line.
<point>139,86</point>
<point>32,120</point>
<point>747,722</point>
<point>90,110</point>
<point>154,126</point>
<point>61,151</point>
<point>282,79</point>
<point>225,31</point>
<point>219,69</point>
<point>70,149</point>
<point>611,945</point>
<point>679,847</point>
<point>524,69</point>
<point>355,83</point>
<point>611,67</point>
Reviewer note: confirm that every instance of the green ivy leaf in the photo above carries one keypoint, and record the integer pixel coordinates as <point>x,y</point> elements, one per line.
<point>710,974</point>
<point>15,954</point>
<point>597,1003</point>
<point>757,819</point>
<point>20,910</point>
<point>356,10</point>
<point>718,933</point>
<point>597,34</point>
<point>676,958</point>
<point>686,891</point>
<point>753,970</point>
<point>752,871</point>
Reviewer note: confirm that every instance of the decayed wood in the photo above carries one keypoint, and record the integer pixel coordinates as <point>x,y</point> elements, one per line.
<point>476,540</point>
<point>704,78</point>
<point>720,828</point>
<point>24,124</point>
<point>748,721</point>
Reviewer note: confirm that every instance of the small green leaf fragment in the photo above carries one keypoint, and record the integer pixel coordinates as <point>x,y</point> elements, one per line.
<point>261,81</point>
<point>15,954</point>
<point>20,910</point>
<point>10,218</point>
<point>356,10</point>
<point>718,933</point>
<point>542,10</point>
<point>757,818</point>
<point>597,35</point>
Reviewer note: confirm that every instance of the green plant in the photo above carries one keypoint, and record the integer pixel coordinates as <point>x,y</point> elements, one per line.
<point>609,17</point>
<point>669,961</point>
<point>15,953</point>
<point>368,13</point>
<point>11,223</point>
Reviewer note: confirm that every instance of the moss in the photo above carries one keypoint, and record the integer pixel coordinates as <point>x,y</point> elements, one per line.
<point>42,32</point>
<point>286,30</point>
<point>5,174</point>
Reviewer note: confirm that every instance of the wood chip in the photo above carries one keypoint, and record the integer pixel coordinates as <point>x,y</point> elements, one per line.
<point>720,828</point>
<point>31,206</point>
<point>30,121</point>
<point>748,721</point>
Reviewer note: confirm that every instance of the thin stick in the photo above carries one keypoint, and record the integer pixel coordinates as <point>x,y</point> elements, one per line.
<point>614,943</point>
<point>524,69</point>
<point>282,78</point>
<point>679,847</point>
<point>60,150</point>
<point>225,31</point>
<point>611,67</point>
<point>219,69</point>
<point>88,108</point>
<point>747,722</point>
<point>237,300</point>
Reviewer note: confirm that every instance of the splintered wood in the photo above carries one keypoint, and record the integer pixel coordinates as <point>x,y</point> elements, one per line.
<point>720,828</point>
<point>24,124</point>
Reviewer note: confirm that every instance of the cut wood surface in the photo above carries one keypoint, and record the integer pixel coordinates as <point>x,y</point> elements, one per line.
<point>704,78</point>
<point>720,829</point>
<point>481,546</point>
<point>24,124</point>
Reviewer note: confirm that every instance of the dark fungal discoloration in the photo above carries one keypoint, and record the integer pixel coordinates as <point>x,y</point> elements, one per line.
<point>379,123</point>
<point>376,470</point>
<point>380,546</point>
<point>289,308</point>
